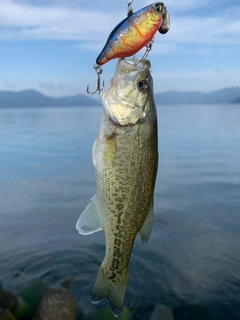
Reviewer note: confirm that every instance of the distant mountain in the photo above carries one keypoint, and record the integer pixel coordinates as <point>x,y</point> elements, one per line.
<point>32,98</point>
<point>236,100</point>
<point>226,95</point>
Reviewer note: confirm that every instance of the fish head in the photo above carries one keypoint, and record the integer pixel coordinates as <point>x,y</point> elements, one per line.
<point>126,98</point>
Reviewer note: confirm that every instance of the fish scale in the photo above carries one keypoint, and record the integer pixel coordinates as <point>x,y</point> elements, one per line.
<point>125,190</point>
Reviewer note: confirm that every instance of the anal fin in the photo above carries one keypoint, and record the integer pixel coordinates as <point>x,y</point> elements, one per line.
<point>95,151</point>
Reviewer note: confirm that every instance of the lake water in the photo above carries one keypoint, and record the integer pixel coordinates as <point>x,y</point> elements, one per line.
<point>47,179</point>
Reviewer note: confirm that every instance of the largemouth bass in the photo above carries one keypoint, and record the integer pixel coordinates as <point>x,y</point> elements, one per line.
<point>125,155</point>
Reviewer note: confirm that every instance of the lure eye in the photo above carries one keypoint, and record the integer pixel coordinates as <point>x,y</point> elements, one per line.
<point>142,85</point>
<point>159,6</point>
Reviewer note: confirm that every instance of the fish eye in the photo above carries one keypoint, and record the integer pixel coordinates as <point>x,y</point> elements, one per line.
<point>142,85</point>
<point>159,6</point>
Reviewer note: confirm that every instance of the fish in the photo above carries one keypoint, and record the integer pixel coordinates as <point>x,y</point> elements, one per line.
<point>125,156</point>
<point>133,33</point>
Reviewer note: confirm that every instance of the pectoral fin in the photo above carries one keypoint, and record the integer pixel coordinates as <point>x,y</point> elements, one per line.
<point>94,152</point>
<point>89,220</point>
<point>146,229</point>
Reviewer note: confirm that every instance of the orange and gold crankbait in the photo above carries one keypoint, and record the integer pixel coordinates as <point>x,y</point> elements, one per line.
<point>132,34</point>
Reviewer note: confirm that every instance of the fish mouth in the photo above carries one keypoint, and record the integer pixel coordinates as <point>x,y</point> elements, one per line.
<point>112,104</point>
<point>115,123</point>
<point>132,64</point>
<point>109,110</point>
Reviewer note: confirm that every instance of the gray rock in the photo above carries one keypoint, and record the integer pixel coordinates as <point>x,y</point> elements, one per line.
<point>68,282</point>
<point>6,315</point>
<point>189,312</point>
<point>56,304</point>
<point>9,301</point>
<point>106,314</point>
<point>29,299</point>
<point>162,312</point>
<point>14,304</point>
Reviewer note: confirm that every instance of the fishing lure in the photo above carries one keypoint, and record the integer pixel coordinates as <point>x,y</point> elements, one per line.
<point>133,33</point>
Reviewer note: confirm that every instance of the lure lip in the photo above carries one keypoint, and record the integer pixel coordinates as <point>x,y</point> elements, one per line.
<point>165,26</point>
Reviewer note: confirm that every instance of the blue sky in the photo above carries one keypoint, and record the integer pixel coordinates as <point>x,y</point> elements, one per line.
<point>51,45</point>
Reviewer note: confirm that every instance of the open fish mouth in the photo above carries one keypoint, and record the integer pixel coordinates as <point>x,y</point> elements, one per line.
<point>111,109</point>
<point>132,64</point>
<point>116,123</point>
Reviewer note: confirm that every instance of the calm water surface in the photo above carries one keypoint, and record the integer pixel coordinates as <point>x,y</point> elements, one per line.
<point>47,179</point>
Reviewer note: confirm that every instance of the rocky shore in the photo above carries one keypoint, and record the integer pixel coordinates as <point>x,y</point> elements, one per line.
<point>38,302</point>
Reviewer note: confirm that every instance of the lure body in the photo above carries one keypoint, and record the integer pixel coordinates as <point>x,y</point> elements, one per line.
<point>133,33</point>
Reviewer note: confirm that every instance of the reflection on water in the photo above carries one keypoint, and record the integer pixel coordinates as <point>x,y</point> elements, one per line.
<point>47,178</point>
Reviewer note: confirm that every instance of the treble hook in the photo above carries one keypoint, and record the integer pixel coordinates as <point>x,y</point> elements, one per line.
<point>99,72</point>
<point>130,9</point>
<point>148,48</point>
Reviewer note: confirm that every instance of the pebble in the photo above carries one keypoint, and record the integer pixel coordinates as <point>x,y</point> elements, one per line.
<point>162,312</point>
<point>56,304</point>
<point>189,312</point>
<point>29,298</point>
<point>68,282</point>
<point>106,314</point>
<point>6,315</point>
<point>8,301</point>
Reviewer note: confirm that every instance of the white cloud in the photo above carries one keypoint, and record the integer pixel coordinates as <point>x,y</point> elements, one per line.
<point>203,31</point>
<point>30,22</point>
<point>205,80</point>
<point>57,89</point>
<point>10,85</point>
<point>183,5</point>
<point>22,21</point>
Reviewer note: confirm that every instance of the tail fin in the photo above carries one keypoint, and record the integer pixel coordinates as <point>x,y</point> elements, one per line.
<point>109,289</point>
